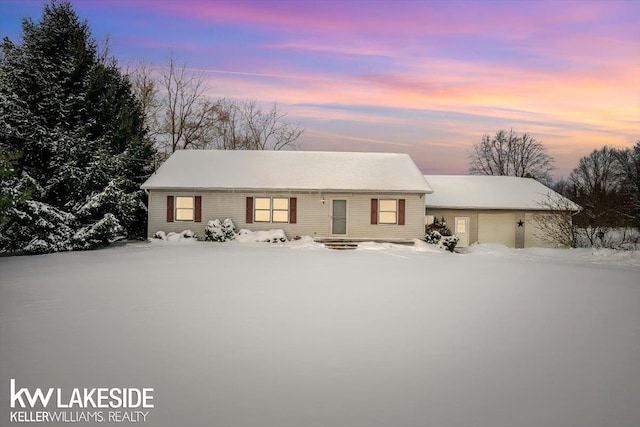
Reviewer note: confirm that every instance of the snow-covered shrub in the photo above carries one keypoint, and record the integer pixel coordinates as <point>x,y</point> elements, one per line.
<point>439,234</point>
<point>102,233</point>
<point>229,229</point>
<point>217,231</point>
<point>188,234</point>
<point>440,226</point>
<point>449,242</point>
<point>173,237</point>
<point>268,236</point>
<point>213,231</point>
<point>433,237</point>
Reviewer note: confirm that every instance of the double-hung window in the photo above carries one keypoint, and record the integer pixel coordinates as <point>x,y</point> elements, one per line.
<point>185,208</point>
<point>388,212</point>
<point>271,209</point>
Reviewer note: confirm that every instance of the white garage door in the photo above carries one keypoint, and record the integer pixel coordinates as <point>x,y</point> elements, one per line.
<point>497,228</point>
<point>533,236</point>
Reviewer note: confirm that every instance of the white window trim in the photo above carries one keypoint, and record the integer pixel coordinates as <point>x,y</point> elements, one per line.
<point>193,209</point>
<point>271,210</point>
<point>380,222</point>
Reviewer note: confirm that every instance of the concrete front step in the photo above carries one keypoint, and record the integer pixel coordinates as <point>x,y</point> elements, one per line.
<point>341,245</point>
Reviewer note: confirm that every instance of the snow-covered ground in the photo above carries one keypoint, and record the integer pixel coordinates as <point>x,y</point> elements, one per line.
<point>294,334</point>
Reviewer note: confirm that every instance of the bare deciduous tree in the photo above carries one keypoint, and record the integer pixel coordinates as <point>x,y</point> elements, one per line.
<point>629,176</point>
<point>180,115</point>
<point>188,118</point>
<point>556,225</point>
<point>145,86</point>
<point>245,125</point>
<point>596,186</point>
<point>510,154</point>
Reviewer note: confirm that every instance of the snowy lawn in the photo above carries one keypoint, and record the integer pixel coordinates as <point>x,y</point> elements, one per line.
<point>298,335</point>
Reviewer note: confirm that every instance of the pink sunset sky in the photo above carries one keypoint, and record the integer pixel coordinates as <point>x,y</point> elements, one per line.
<point>428,78</point>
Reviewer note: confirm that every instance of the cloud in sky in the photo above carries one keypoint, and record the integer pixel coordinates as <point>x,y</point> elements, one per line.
<point>423,77</point>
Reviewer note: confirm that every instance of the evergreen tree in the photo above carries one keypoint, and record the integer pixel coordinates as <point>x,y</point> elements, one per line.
<point>75,132</point>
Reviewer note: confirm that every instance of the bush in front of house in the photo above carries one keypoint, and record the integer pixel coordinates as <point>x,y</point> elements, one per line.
<point>174,237</point>
<point>439,234</point>
<point>229,229</point>
<point>217,231</point>
<point>266,236</point>
<point>213,231</point>
<point>449,242</point>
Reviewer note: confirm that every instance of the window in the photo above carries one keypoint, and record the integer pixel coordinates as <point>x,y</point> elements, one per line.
<point>429,219</point>
<point>184,209</point>
<point>263,209</point>
<point>280,210</point>
<point>269,209</point>
<point>461,225</point>
<point>388,212</point>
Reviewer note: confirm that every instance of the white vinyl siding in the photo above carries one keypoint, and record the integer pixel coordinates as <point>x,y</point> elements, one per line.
<point>533,236</point>
<point>184,208</point>
<point>313,216</point>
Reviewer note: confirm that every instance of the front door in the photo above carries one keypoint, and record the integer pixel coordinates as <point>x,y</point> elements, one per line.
<point>338,217</point>
<point>462,230</point>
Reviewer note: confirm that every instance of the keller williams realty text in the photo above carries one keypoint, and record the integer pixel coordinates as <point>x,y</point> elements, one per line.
<point>75,399</point>
<point>78,416</point>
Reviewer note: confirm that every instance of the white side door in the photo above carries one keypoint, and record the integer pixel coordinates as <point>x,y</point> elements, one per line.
<point>462,230</point>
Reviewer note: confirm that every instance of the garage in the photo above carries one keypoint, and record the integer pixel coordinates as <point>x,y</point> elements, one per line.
<point>499,209</point>
<point>497,228</point>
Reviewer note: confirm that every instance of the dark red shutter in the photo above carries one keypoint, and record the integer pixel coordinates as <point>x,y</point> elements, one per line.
<point>197,216</point>
<point>374,211</point>
<point>169,208</point>
<point>293,210</point>
<point>401,212</point>
<point>249,211</point>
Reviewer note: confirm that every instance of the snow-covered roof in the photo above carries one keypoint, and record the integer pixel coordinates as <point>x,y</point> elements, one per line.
<point>289,170</point>
<point>491,192</point>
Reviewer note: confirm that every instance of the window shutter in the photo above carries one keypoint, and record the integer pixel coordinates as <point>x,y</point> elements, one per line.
<point>249,211</point>
<point>401,212</point>
<point>197,215</point>
<point>374,211</point>
<point>293,210</point>
<point>169,208</point>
